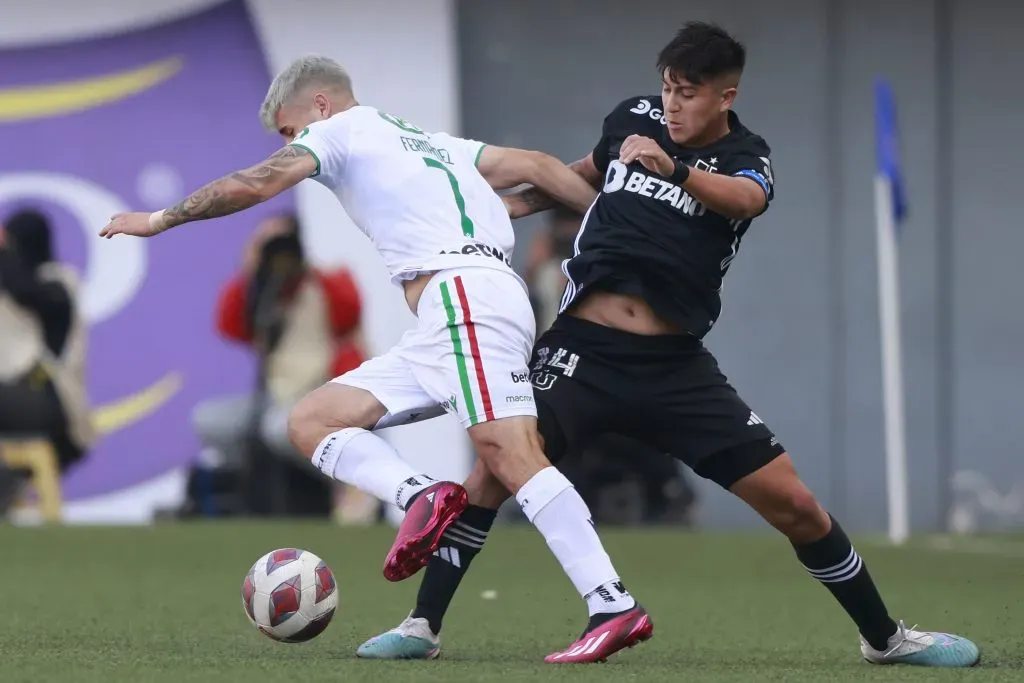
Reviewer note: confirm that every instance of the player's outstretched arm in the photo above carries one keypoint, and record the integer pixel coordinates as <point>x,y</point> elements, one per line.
<point>238,191</point>
<point>532,200</point>
<point>553,181</point>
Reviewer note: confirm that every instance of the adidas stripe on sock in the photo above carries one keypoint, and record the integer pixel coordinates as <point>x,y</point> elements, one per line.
<point>459,545</point>
<point>833,561</point>
<point>460,536</point>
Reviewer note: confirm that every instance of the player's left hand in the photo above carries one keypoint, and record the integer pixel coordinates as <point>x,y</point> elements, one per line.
<point>136,224</point>
<point>647,152</point>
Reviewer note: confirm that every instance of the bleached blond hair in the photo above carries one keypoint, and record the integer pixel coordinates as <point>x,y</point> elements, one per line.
<point>303,73</point>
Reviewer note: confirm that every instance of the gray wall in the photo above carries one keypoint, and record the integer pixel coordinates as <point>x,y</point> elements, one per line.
<point>799,330</point>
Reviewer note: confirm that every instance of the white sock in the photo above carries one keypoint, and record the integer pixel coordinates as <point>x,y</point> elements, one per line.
<point>551,503</point>
<point>363,459</point>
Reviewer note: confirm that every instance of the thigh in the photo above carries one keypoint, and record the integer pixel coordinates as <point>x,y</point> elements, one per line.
<point>698,417</point>
<point>577,397</point>
<point>472,355</point>
<point>627,452</point>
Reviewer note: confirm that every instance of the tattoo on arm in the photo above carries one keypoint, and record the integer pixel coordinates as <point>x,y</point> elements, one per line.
<point>239,190</point>
<point>534,201</point>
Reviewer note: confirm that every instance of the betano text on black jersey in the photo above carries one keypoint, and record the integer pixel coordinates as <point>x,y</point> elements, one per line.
<point>647,237</point>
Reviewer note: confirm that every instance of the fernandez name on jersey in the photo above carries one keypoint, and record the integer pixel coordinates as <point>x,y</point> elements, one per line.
<point>647,237</point>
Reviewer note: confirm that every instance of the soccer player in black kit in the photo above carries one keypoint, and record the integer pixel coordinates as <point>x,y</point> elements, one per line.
<point>680,180</point>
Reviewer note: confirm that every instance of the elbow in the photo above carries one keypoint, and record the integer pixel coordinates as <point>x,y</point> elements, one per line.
<point>752,201</point>
<point>536,166</point>
<point>746,206</point>
<point>750,211</point>
<point>757,207</point>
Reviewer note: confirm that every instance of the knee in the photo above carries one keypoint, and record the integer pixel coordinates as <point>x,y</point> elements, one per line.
<point>784,501</point>
<point>799,516</point>
<point>331,408</point>
<point>307,426</point>
<point>511,449</point>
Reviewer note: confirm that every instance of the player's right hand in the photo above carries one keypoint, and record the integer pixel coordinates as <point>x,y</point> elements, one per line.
<point>137,224</point>
<point>648,152</point>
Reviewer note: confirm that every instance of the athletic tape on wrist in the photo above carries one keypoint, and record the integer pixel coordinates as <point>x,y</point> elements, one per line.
<point>680,173</point>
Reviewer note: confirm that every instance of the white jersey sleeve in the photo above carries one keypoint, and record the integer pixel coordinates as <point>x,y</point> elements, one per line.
<point>328,142</point>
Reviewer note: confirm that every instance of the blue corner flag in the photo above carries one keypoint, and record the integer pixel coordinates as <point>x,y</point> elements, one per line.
<point>887,146</point>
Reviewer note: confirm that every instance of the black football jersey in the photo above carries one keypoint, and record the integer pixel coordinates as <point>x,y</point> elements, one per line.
<point>647,237</point>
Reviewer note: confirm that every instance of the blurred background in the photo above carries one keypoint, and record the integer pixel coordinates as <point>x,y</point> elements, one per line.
<point>164,394</point>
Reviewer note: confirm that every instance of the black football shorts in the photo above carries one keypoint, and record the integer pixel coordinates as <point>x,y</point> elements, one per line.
<point>665,391</point>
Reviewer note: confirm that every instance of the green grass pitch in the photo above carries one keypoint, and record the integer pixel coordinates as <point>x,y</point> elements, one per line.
<point>162,604</point>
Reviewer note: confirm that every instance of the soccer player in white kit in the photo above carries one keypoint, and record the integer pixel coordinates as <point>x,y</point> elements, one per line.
<point>426,202</point>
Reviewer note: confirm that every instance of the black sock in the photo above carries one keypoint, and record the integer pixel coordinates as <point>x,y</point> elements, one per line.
<point>833,561</point>
<point>461,543</point>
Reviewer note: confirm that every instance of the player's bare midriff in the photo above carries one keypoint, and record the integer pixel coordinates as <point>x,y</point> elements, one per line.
<point>623,312</point>
<point>414,289</point>
<point>619,311</point>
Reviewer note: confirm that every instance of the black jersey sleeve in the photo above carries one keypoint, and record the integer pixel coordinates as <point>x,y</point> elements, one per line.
<point>619,124</point>
<point>751,159</point>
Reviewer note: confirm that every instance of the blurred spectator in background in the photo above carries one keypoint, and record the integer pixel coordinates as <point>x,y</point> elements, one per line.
<point>304,326</point>
<point>619,478</point>
<point>42,347</point>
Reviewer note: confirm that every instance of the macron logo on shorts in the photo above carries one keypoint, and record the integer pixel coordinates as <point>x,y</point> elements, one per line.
<point>521,378</point>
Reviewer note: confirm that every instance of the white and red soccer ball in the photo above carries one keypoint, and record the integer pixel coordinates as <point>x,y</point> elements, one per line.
<point>290,595</point>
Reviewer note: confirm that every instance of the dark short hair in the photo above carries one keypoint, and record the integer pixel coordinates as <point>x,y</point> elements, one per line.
<point>292,239</point>
<point>700,52</point>
<point>31,235</point>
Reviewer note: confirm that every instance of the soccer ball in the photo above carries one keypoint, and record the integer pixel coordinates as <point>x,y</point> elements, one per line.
<point>290,595</point>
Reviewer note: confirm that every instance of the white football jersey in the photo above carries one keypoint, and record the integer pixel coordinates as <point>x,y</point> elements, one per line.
<point>418,196</point>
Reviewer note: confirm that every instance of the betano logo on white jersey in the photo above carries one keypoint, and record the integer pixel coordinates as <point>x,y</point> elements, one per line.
<point>418,196</point>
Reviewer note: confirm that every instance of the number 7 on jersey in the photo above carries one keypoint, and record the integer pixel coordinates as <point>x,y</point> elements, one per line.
<point>460,202</point>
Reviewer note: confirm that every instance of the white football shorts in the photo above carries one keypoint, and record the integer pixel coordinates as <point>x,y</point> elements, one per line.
<point>468,355</point>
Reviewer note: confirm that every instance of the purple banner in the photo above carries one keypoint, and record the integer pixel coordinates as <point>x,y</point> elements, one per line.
<point>132,122</point>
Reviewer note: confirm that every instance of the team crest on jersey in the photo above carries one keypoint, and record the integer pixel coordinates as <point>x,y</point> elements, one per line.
<point>401,123</point>
<point>708,166</point>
